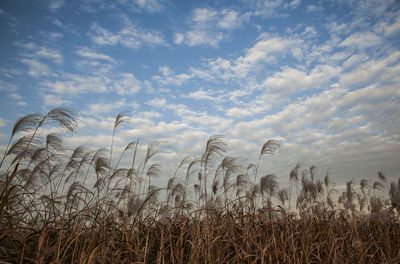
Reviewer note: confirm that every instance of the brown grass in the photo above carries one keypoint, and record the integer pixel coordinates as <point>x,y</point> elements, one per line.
<point>60,206</point>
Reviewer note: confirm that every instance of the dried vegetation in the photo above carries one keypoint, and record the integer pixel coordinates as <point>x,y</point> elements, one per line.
<point>82,206</point>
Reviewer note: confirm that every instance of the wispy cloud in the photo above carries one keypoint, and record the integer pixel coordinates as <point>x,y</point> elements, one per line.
<point>6,86</point>
<point>11,20</point>
<point>127,84</point>
<point>209,27</point>
<point>37,68</point>
<point>203,95</point>
<point>129,36</point>
<point>90,54</point>
<point>265,51</point>
<point>290,80</point>
<point>35,51</point>
<point>15,96</point>
<point>55,100</point>
<point>384,70</point>
<point>314,8</point>
<point>2,122</point>
<point>361,40</point>
<point>205,120</point>
<point>167,77</point>
<point>100,109</point>
<point>55,4</point>
<point>74,84</point>
<point>150,6</point>
<point>322,77</point>
<point>240,112</point>
<point>389,28</point>
<point>268,8</point>
<point>147,5</point>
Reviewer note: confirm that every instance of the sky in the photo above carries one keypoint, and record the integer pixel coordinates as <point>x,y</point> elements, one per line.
<point>321,76</point>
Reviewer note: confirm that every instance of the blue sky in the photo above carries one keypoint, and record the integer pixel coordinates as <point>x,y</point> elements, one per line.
<point>322,76</point>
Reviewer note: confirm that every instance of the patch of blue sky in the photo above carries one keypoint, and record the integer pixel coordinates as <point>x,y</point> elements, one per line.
<point>316,74</point>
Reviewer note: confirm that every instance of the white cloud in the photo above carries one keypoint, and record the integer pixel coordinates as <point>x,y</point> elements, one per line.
<point>265,50</point>
<point>265,8</point>
<point>339,28</point>
<point>148,5</point>
<point>314,8</point>
<point>373,70</point>
<point>94,141</point>
<point>151,6</point>
<point>55,4</point>
<point>69,85</point>
<point>54,100</point>
<point>15,96</point>
<point>203,37</point>
<point>150,114</point>
<point>292,80</point>
<point>102,36</point>
<point>99,109</point>
<point>388,29</point>
<point>10,20</point>
<point>90,54</point>
<point>217,68</point>
<point>230,19</point>
<point>149,89</point>
<point>247,108</point>
<point>354,60</point>
<point>214,123</point>
<point>165,71</point>
<point>150,129</point>
<point>206,121</point>
<point>96,121</point>
<point>2,122</point>
<point>54,35</point>
<point>202,95</point>
<point>329,89</point>
<point>178,38</point>
<point>169,78</point>
<point>42,52</point>
<point>318,130</point>
<point>129,36</point>
<point>50,54</point>
<point>204,15</point>
<point>208,27</point>
<point>6,86</point>
<point>371,93</point>
<point>157,102</point>
<point>36,68</point>
<point>127,84</point>
<point>294,3</point>
<point>361,40</point>
<point>97,67</point>
<point>309,32</point>
<point>73,84</point>
<point>238,112</point>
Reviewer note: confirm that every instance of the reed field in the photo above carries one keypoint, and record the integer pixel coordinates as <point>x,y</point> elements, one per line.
<point>59,205</point>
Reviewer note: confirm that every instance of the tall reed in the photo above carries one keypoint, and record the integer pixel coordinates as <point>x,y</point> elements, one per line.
<point>60,205</point>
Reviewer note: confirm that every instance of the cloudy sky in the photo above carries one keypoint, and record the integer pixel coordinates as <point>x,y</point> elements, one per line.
<point>321,76</point>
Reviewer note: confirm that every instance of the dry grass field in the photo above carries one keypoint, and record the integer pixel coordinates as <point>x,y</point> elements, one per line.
<point>72,206</point>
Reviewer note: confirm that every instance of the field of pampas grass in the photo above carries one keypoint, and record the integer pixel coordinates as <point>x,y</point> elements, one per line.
<point>73,206</point>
